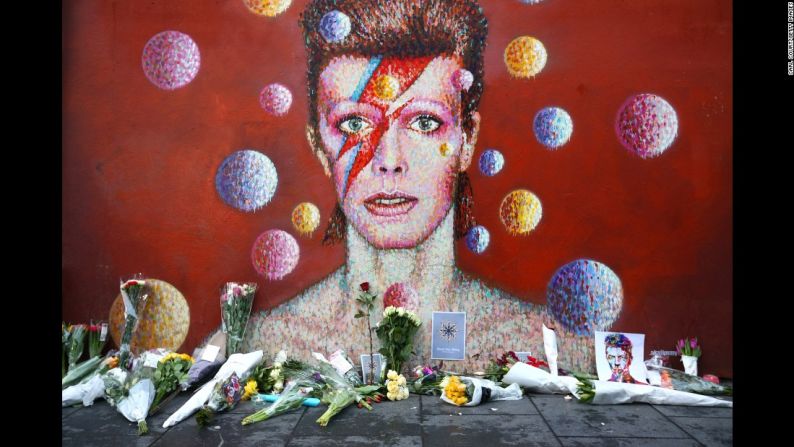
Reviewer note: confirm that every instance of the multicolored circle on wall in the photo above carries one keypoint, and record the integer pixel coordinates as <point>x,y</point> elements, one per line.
<point>520,212</point>
<point>275,254</point>
<point>477,239</point>
<point>170,60</point>
<point>246,180</point>
<point>275,99</point>
<point>306,218</point>
<point>646,125</point>
<point>164,322</point>
<point>525,57</point>
<point>585,296</point>
<point>553,127</point>
<point>401,295</point>
<point>268,8</point>
<point>491,162</point>
<point>335,26</point>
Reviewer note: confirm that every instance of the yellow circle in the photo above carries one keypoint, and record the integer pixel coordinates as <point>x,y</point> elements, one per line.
<point>520,212</point>
<point>445,149</point>
<point>525,57</point>
<point>269,8</point>
<point>163,323</point>
<point>386,87</point>
<point>306,217</point>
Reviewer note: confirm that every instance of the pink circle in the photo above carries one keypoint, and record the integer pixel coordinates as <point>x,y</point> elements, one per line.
<point>275,254</point>
<point>401,295</point>
<point>462,79</point>
<point>275,99</point>
<point>646,125</point>
<point>170,60</point>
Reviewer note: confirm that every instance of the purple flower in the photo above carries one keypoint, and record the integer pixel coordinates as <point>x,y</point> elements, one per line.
<point>693,343</point>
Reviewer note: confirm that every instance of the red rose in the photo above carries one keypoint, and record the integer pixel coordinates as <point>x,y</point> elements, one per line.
<point>365,286</point>
<point>132,283</point>
<point>92,328</point>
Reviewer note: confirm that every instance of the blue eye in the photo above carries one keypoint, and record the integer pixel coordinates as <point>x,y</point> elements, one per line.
<point>354,125</point>
<point>425,123</point>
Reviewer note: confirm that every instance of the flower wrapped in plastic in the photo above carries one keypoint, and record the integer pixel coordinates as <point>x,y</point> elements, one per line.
<point>224,397</point>
<point>238,364</point>
<point>266,378</point>
<point>291,398</point>
<point>171,371</point>
<point>97,337</point>
<point>471,391</point>
<point>76,344</point>
<point>337,392</point>
<point>135,406</point>
<point>86,381</point>
<point>539,381</point>
<point>66,335</point>
<point>426,380</point>
<point>600,392</point>
<point>678,380</point>
<point>133,293</point>
<point>236,302</point>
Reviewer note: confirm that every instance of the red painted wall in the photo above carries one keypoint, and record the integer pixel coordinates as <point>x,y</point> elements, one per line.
<point>139,163</point>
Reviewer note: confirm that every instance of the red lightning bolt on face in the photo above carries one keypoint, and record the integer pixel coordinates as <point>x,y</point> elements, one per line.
<point>406,71</point>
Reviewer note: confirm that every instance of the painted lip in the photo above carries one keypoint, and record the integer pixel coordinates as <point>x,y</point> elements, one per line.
<point>390,204</point>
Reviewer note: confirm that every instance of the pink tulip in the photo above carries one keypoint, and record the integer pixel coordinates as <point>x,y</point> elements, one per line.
<point>693,343</point>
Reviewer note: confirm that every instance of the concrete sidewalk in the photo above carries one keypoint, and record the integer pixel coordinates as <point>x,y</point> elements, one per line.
<point>547,420</point>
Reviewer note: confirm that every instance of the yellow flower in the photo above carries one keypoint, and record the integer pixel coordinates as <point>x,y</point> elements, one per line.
<point>392,374</point>
<point>250,389</point>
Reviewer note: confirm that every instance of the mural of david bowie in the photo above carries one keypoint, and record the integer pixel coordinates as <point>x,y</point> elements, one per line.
<point>395,130</point>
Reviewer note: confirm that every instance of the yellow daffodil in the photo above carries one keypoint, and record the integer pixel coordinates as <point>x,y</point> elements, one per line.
<point>250,389</point>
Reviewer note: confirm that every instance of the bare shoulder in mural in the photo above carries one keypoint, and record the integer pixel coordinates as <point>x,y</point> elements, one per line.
<point>394,89</point>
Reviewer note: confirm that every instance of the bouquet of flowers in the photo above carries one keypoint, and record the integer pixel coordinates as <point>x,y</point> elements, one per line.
<point>236,302</point>
<point>84,382</point>
<point>674,379</point>
<point>689,350</point>
<point>133,293</point>
<point>132,392</point>
<point>601,392</point>
<point>337,392</point>
<point>426,380</point>
<point>345,367</point>
<point>265,378</point>
<point>76,344</point>
<point>396,333</point>
<point>291,398</point>
<point>688,347</point>
<point>539,381</point>
<point>499,367</point>
<point>171,371</point>
<point>66,335</point>
<point>470,391</point>
<point>224,397</point>
<point>135,407</point>
<point>97,336</point>
<point>238,364</point>
<point>396,386</point>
